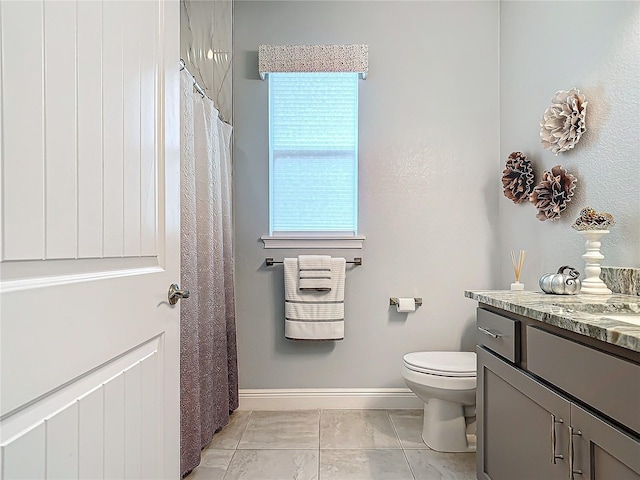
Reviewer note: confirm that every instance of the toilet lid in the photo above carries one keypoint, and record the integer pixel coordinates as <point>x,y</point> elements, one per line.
<point>448,364</point>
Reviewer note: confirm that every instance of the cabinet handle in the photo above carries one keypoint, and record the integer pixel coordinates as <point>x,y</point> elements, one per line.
<point>490,333</point>
<point>554,455</point>
<point>572,459</point>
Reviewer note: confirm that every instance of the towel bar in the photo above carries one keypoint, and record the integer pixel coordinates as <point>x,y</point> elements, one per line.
<point>394,301</point>
<point>270,261</point>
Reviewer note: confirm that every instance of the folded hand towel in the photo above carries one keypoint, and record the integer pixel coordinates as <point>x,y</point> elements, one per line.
<point>315,273</point>
<point>313,316</point>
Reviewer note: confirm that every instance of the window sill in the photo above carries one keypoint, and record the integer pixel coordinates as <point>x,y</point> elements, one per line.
<point>331,242</point>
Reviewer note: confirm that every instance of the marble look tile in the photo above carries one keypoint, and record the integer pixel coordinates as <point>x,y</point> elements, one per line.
<point>222,85</point>
<point>196,22</point>
<point>229,436</point>
<point>206,473</point>
<point>431,465</point>
<point>364,465</point>
<point>223,53</point>
<point>213,465</point>
<point>206,48</point>
<point>282,430</point>
<point>357,429</point>
<point>408,425</point>
<point>274,465</point>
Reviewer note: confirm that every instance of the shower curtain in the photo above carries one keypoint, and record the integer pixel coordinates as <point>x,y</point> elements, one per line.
<point>208,360</point>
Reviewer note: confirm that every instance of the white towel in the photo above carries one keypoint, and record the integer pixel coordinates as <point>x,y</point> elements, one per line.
<point>314,315</point>
<point>315,273</point>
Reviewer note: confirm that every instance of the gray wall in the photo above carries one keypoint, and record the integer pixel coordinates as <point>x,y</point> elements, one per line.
<point>429,148</point>
<point>594,46</point>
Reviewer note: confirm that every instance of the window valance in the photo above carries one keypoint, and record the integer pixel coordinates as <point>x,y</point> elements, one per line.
<point>313,58</point>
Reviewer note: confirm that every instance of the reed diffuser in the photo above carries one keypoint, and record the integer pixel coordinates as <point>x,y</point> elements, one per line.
<point>517,269</point>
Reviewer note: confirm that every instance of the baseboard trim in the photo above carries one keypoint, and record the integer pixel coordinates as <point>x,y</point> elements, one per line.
<point>328,398</point>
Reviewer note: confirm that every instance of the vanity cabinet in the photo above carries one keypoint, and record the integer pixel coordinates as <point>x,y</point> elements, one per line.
<point>529,427</point>
<point>519,424</point>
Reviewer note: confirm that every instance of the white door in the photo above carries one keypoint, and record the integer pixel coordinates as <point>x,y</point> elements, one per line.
<point>89,374</point>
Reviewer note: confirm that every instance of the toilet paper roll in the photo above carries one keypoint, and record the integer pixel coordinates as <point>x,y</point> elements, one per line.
<point>406,305</point>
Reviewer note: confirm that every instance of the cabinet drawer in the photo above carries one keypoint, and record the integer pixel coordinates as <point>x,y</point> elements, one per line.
<point>606,383</point>
<point>499,334</point>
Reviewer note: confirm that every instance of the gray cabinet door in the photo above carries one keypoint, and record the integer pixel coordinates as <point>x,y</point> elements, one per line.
<point>522,425</point>
<point>602,451</point>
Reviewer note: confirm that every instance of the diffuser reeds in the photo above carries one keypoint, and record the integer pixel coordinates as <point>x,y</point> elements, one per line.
<point>517,263</point>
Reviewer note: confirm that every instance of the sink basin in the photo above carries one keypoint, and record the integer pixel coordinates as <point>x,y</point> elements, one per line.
<point>609,310</point>
<point>628,318</point>
<point>628,312</point>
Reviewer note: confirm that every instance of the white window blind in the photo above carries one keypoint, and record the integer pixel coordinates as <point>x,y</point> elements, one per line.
<point>313,152</point>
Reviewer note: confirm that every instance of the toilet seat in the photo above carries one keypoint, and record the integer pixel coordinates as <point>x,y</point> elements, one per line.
<point>444,364</point>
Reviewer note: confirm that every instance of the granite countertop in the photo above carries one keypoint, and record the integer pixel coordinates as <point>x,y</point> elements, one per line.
<point>584,314</point>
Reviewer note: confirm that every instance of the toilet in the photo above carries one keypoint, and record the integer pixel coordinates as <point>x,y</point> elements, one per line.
<point>446,383</point>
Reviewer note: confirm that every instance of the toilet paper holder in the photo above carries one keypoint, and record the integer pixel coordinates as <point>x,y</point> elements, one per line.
<point>394,301</point>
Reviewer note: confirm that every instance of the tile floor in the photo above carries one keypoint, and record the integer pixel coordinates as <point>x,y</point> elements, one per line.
<point>328,445</point>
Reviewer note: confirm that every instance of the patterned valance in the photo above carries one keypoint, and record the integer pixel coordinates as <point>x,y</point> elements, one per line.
<point>313,58</point>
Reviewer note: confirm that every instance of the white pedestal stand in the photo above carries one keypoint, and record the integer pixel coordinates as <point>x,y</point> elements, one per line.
<point>592,284</point>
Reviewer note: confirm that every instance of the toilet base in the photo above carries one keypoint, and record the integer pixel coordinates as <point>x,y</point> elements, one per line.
<point>444,428</point>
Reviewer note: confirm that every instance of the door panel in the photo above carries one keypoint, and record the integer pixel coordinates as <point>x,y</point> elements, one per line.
<point>23,96</point>
<point>90,242</point>
<point>113,125</point>
<point>606,466</point>
<point>80,129</point>
<point>516,423</point>
<point>56,334</point>
<point>602,451</point>
<point>61,443</point>
<point>90,122</point>
<point>24,457</point>
<point>60,130</point>
<point>103,424</point>
<point>91,434</point>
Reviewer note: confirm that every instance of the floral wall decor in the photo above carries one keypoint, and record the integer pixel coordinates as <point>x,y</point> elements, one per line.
<point>517,178</point>
<point>553,193</point>
<point>563,123</point>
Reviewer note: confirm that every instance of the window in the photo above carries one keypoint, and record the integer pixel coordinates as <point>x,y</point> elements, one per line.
<point>313,153</point>
<point>313,143</point>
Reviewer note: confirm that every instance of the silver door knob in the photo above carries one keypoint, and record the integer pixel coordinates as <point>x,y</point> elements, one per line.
<point>176,294</point>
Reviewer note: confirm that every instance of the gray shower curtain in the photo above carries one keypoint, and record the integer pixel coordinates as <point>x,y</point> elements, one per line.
<point>208,359</point>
